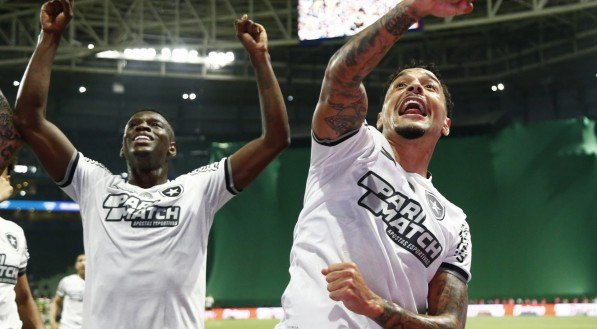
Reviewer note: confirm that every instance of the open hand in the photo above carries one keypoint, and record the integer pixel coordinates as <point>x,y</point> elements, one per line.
<point>346,284</point>
<point>56,14</point>
<point>442,8</point>
<point>251,35</point>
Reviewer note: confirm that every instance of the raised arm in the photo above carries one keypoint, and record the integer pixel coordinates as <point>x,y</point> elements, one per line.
<point>10,141</point>
<point>252,158</point>
<point>51,146</point>
<point>343,102</point>
<point>447,300</point>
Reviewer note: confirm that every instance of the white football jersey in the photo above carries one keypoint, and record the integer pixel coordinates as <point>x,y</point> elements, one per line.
<point>71,288</point>
<point>146,248</point>
<point>13,262</point>
<point>361,206</point>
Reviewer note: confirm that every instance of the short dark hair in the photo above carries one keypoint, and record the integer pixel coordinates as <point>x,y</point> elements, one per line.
<point>425,66</point>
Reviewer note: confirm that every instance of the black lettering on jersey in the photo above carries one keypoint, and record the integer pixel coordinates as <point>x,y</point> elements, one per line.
<point>141,213</point>
<point>404,217</point>
<point>207,168</point>
<point>462,249</point>
<point>8,274</point>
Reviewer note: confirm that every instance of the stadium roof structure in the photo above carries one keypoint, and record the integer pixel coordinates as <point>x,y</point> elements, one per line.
<point>501,37</point>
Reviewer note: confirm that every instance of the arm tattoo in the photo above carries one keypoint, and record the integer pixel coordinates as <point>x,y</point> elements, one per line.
<point>398,20</point>
<point>349,115</point>
<point>447,311</point>
<point>9,137</point>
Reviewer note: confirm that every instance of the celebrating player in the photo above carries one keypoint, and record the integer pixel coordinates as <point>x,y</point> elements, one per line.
<point>376,244</point>
<point>18,307</point>
<point>146,238</point>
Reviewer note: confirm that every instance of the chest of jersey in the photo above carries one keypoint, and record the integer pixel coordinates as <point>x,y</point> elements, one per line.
<point>407,211</point>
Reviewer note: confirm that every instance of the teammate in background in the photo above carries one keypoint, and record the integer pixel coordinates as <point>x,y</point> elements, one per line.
<point>68,302</point>
<point>17,307</point>
<point>376,244</point>
<point>146,238</point>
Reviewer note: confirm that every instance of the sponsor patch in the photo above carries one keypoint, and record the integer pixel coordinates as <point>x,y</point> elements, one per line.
<point>404,217</point>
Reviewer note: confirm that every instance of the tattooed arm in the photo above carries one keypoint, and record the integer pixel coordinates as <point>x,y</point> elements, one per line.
<point>10,141</point>
<point>447,300</point>
<point>343,102</point>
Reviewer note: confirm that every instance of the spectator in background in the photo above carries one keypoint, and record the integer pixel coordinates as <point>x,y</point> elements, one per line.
<point>17,307</point>
<point>68,302</point>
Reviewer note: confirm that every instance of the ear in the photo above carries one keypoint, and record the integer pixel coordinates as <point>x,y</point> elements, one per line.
<point>172,150</point>
<point>122,151</point>
<point>446,127</point>
<point>379,123</point>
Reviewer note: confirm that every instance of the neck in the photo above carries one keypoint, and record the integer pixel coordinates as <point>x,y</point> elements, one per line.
<point>414,155</point>
<point>148,178</point>
<point>82,275</point>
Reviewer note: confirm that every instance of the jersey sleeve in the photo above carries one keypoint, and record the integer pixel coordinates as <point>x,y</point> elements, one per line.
<point>348,147</point>
<point>24,254</point>
<point>459,257</point>
<point>81,174</point>
<point>216,181</point>
<point>61,290</point>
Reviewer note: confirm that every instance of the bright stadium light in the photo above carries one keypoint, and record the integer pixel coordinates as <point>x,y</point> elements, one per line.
<point>192,96</point>
<point>185,96</point>
<point>90,46</point>
<point>214,60</point>
<point>494,88</point>
<point>82,89</point>
<point>16,83</point>
<point>500,86</point>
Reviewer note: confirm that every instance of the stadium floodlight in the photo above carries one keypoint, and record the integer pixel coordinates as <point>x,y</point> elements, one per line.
<point>90,46</point>
<point>192,96</point>
<point>214,60</point>
<point>185,96</point>
<point>494,88</point>
<point>16,83</point>
<point>82,89</point>
<point>500,86</point>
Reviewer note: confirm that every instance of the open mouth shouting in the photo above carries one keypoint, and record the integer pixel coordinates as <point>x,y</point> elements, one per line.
<point>413,106</point>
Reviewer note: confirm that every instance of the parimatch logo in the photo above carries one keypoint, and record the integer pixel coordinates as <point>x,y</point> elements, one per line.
<point>8,274</point>
<point>404,217</point>
<point>141,213</point>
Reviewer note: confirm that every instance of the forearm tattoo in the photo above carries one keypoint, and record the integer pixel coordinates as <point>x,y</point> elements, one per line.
<point>448,309</point>
<point>9,137</point>
<point>359,57</point>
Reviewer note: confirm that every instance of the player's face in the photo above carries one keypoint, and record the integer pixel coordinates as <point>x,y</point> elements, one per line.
<point>415,106</point>
<point>80,264</point>
<point>148,134</point>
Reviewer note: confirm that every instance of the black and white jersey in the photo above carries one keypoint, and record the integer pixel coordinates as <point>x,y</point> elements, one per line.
<point>13,262</point>
<point>146,248</point>
<point>361,206</point>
